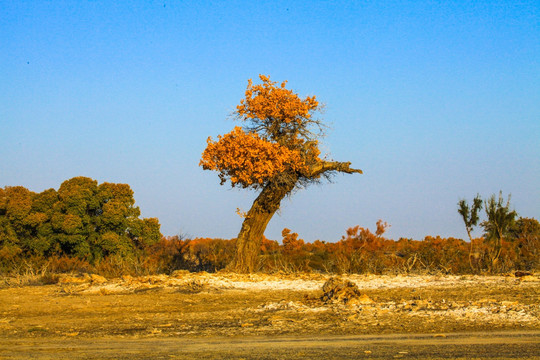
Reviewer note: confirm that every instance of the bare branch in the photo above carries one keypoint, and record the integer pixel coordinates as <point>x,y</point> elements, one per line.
<point>324,166</point>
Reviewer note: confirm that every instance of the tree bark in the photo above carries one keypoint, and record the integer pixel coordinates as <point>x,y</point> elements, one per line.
<point>248,242</point>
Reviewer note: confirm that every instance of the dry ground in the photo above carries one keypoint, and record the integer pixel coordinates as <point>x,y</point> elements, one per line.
<point>219,316</point>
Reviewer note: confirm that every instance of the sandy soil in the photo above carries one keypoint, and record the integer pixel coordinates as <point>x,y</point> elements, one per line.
<point>219,316</point>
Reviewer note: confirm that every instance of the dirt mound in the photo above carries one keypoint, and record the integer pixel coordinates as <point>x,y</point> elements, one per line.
<point>343,291</point>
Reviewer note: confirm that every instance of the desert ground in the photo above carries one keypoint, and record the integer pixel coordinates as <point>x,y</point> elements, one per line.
<point>280,316</point>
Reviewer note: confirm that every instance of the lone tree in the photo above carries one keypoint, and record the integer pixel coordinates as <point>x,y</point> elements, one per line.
<point>275,152</point>
<point>500,220</point>
<point>470,218</point>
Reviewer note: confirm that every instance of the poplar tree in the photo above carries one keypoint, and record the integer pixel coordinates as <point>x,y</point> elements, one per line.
<point>275,152</point>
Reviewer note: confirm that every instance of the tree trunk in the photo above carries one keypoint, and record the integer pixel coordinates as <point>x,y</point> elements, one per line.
<point>496,251</point>
<point>471,251</point>
<point>248,242</point>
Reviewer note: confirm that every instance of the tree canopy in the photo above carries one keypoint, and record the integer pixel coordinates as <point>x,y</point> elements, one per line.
<point>276,151</point>
<point>83,219</point>
<point>277,144</point>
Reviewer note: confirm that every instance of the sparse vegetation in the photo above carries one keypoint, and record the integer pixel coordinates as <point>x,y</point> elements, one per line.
<point>86,228</point>
<point>358,252</point>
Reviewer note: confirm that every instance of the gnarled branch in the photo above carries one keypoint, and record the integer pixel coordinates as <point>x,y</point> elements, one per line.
<point>324,166</point>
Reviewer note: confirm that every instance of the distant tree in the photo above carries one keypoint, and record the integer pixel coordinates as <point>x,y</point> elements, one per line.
<point>500,220</point>
<point>525,234</point>
<point>81,219</point>
<point>381,227</point>
<point>43,207</point>
<point>470,218</point>
<point>276,152</point>
<point>72,218</point>
<point>15,208</point>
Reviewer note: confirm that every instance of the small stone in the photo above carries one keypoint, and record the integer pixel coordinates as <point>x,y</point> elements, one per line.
<point>337,290</point>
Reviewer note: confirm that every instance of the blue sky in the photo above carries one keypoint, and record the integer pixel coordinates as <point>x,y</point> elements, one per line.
<point>435,101</point>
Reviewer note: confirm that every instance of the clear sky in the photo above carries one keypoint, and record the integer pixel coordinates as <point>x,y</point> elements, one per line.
<point>435,101</point>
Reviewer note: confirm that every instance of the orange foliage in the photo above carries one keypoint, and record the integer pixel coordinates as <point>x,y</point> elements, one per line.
<point>269,246</point>
<point>268,101</point>
<point>278,141</point>
<point>381,227</point>
<point>246,159</point>
<point>291,244</point>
